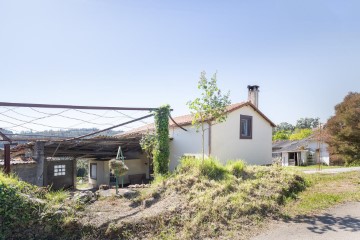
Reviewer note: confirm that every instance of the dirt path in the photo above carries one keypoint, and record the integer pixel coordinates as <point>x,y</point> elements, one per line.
<point>340,222</point>
<point>116,211</point>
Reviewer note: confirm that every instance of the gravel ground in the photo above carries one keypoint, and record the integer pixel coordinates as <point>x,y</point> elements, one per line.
<point>340,222</point>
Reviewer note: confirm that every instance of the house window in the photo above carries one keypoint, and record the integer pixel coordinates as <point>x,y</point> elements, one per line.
<point>59,170</point>
<point>245,127</point>
<point>93,169</point>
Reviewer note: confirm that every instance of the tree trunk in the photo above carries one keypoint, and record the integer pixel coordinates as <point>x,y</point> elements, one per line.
<point>203,141</point>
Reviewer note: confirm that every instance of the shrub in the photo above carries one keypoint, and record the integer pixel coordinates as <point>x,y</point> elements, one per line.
<point>236,168</point>
<point>210,168</point>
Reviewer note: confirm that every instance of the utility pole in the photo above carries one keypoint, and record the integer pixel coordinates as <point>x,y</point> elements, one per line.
<point>319,147</point>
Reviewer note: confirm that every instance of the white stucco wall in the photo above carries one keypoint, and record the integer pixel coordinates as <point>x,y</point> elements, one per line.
<point>186,142</point>
<point>102,174</point>
<point>285,158</point>
<point>324,154</point>
<point>227,145</point>
<point>136,166</point>
<point>225,140</point>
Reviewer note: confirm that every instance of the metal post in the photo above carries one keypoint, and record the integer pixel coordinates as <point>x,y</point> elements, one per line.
<point>7,158</point>
<point>120,156</point>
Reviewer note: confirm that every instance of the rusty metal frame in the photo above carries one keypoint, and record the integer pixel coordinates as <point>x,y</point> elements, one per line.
<point>8,104</point>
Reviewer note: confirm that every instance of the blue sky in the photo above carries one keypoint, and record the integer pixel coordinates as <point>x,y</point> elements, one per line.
<point>304,54</point>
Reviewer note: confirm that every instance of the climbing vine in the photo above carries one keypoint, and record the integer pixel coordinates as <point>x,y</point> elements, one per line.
<point>161,150</point>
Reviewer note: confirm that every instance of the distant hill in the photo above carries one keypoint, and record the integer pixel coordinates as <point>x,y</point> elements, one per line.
<point>52,133</point>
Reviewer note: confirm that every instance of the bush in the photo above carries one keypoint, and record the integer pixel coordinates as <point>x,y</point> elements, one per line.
<point>30,212</point>
<point>212,169</point>
<point>209,167</point>
<point>236,168</point>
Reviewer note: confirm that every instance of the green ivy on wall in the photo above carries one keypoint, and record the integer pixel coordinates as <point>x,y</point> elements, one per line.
<point>161,151</point>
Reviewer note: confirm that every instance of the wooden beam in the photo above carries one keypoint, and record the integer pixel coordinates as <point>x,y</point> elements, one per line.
<point>7,158</point>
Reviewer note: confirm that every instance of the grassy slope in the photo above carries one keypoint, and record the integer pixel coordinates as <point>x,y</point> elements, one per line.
<point>213,201</point>
<point>324,191</point>
<point>29,212</point>
<point>206,199</point>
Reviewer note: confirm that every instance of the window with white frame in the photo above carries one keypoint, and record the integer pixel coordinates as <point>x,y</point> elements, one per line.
<point>59,170</point>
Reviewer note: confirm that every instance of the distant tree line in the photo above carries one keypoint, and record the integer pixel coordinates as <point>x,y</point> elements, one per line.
<point>58,133</point>
<point>302,129</point>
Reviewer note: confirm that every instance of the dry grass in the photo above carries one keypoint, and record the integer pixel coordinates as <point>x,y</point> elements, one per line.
<point>201,200</point>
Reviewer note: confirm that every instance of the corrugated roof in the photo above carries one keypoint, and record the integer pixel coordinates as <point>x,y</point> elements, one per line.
<point>185,120</point>
<point>19,161</point>
<point>289,146</point>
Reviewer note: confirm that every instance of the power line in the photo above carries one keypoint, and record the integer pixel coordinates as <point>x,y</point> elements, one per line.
<point>14,127</point>
<point>8,109</point>
<point>84,121</point>
<point>94,114</point>
<point>130,116</point>
<point>12,110</point>
<point>32,121</point>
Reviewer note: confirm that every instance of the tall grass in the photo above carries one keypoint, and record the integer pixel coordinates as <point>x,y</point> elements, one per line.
<point>211,168</point>
<point>229,196</point>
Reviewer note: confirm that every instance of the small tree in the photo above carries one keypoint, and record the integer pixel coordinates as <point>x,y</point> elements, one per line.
<point>211,106</point>
<point>343,130</point>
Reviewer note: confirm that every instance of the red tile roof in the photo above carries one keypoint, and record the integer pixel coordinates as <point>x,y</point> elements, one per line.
<point>185,120</point>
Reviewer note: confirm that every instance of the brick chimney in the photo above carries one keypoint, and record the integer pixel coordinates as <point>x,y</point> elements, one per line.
<point>253,94</point>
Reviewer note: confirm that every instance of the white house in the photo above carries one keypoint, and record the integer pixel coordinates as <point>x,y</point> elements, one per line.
<point>246,134</point>
<point>307,151</point>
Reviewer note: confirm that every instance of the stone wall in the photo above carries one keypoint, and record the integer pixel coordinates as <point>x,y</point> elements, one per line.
<point>26,172</point>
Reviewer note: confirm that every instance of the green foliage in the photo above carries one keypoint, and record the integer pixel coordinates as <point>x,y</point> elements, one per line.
<point>344,130</point>
<point>236,168</point>
<point>281,135</point>
<point>284,126</point>
<point>211,106</point>
<point>212,169</point>
<point>14,209</point>
<point>30,212</point>
<point>161,151</point>
<point>286,131</point>
<point>82,168</point>
<point>300,134</point>
<point>57,197</point>
<point>148,144</point>
<point>209,167</point>
<point>304,123</point>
